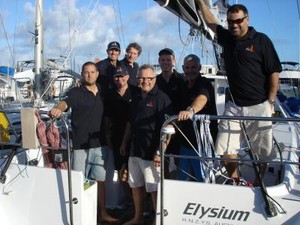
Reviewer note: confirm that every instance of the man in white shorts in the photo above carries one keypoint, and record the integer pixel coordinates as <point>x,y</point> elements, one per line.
<point>147,114</point>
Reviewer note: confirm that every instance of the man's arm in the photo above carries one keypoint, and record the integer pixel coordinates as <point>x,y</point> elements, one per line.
<point>58,109</point>
<point>126,139</point>
<point>208,16</point>
<point>197,105</point>
<point>274,82</point>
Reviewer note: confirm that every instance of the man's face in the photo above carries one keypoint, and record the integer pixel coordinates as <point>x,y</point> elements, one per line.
<point>121,81</point>
<point>90,74</point>
<point>113,54</point>
<point>191,69</point>
<point>166,63</point>
<point>132,55</point>
<point>146,80</point>
<point>238,24</point>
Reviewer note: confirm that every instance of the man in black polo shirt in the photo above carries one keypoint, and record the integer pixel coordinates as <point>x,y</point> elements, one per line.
<point>107,66</point>
<point>148,109</point>
<point>252,68</point>
<point>198,98</point>
<point>133,51</point>
<point>87,109</point>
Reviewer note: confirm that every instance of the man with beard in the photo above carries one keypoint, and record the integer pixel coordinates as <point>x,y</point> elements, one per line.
<point>252,68</point>
<point>86,117</point>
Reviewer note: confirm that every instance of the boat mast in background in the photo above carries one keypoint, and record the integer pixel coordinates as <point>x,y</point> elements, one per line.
<point>38,47</point>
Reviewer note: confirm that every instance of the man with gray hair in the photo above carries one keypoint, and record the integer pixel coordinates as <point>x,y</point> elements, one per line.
<point>147,114</point>
<point>198,98</point>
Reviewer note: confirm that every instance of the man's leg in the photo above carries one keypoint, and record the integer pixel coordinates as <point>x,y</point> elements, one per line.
<point>103,216</point>
<point>154,200</point>
<point>138,200</point>
<point>231,166</point>
<point>228,139</point>
<point>261,136</point>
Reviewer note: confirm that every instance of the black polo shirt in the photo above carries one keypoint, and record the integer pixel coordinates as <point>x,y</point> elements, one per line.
<point>174,88</point>
<point>86,116</point>
<point>146,117</point>
<point>202,86</point>
<point>249,62</point>
<point>106,71</point>
<point>132,71</point>
<point>116,116</point>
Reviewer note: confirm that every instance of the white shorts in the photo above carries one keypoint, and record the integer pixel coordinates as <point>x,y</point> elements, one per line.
<point>260,135</point>
<point>143,173</point>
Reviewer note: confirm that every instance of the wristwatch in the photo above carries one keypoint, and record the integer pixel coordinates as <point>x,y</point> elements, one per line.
<point>271,101</point>
<point>190,108</point>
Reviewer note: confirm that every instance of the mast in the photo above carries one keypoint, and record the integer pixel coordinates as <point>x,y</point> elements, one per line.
<point>38,50</point>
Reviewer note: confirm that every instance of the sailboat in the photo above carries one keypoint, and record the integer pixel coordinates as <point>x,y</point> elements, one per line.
<point>33,194</point>
<point>275,201</point>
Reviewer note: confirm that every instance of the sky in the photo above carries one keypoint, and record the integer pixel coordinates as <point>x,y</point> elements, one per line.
<point>79,30</point>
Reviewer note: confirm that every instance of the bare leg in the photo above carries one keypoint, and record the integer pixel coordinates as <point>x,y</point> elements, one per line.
<point>103,216</point>
<point>138,199</point>
<point>154,200</point>
<point>262,170</point>
<point>231,166</point>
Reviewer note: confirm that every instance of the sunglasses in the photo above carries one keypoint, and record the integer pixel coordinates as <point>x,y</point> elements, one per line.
<point>145,78</point>
<point>237,21</point>
<point>117,77</point>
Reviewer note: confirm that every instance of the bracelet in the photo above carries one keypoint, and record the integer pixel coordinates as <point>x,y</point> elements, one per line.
<point>191,108</point>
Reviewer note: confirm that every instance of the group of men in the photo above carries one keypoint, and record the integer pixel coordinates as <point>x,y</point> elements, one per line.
<point>121,107</point>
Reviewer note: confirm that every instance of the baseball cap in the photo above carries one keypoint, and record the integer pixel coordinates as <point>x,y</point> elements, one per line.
<point>113,45</point>
<point>120,71</point>
<point>166,51</point>
<point>191,57</point>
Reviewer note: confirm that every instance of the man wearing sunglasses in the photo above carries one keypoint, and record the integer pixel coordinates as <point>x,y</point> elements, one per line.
<point>252,68</point>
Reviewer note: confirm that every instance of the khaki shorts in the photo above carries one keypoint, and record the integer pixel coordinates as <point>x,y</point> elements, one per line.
<point>143,173</point>
<point>260,135</point>
<point>92,162</point>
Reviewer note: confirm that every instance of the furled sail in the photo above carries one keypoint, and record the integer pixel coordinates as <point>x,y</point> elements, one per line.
<point>189,11</point>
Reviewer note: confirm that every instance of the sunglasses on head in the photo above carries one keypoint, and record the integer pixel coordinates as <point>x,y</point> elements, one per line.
<point>237,21</point>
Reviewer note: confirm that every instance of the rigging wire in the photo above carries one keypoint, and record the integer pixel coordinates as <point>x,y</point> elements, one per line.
<point>6,37</point>
<point>121,21</point>
<point>80,30</point>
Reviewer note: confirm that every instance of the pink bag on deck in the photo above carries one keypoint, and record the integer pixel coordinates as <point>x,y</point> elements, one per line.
<point>54,140</point>
<point>41,133</point>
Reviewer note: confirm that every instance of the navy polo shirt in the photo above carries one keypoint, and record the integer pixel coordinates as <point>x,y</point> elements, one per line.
<point>106,72</point>
<point>132,71</point>
<point>116,113</point>
<point>249,62</point>
<point>202,86</point>
<point>146,117</point>
<point>174,88</point>
<point>86,117</point>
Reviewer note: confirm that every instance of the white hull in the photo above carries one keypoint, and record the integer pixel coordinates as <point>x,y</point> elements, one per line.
<point>36,195</point>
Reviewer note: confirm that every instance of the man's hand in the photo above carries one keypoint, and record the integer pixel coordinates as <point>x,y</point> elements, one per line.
<point>55,113</point>
<point>185,115</point>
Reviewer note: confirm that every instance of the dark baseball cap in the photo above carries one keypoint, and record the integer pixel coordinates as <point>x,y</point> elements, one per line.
<point>120,71</point>
<point>192,57</point>
<point>166,51</point>
<point>114,45</point>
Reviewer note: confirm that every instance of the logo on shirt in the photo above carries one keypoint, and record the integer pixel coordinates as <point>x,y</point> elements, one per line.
<point>250,49</point>
<point>150,104</point>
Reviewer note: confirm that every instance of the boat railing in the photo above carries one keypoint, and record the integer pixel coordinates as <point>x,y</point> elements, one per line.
<point>168,131</point>
<point>12,119</point>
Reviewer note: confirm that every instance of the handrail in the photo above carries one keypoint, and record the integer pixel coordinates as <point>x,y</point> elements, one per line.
<point>173,118</point>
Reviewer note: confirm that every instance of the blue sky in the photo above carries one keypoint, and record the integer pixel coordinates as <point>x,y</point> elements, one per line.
<point>82,29</point>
